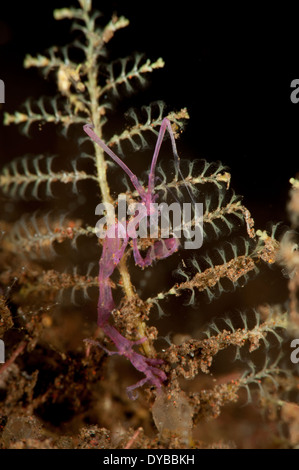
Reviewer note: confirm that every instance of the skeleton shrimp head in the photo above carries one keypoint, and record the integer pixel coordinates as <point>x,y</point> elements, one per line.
<point>146,208</point>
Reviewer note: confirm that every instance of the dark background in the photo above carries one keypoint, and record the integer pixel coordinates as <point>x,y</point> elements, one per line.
<point>230,66</point>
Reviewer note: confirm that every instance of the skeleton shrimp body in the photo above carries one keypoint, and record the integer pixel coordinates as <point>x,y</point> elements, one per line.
<point>114,246</point>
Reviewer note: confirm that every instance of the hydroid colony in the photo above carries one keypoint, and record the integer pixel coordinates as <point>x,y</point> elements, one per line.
<point>50,265</point>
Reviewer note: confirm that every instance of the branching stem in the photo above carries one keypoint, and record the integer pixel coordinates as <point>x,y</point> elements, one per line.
<point>101,166</point>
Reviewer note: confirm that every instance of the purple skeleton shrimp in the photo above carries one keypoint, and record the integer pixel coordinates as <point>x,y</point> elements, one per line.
<point>114,245</point>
